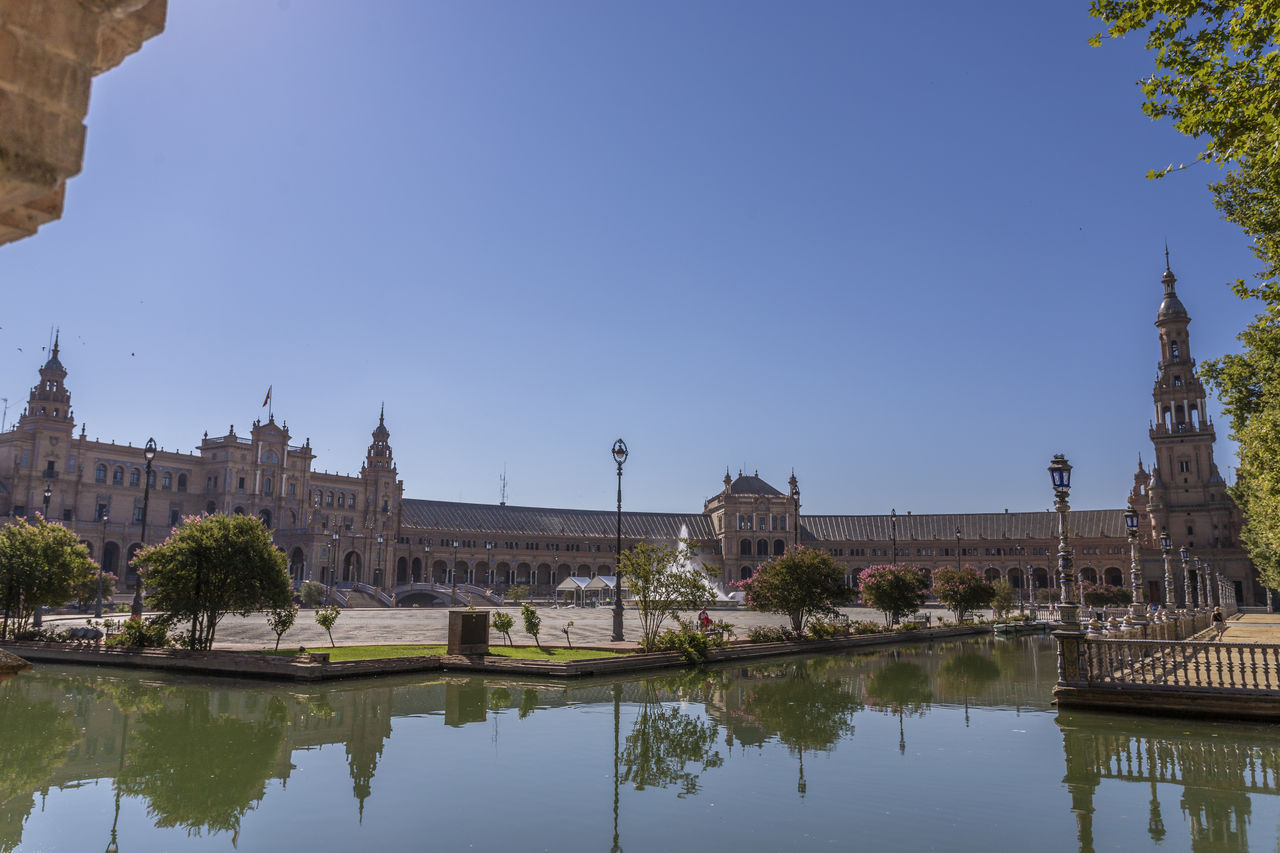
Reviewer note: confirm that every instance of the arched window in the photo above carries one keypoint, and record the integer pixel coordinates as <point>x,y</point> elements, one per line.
<point>266,486</point>
<point>166,480</point>
<point>211,507</point>
<point>182,482</point>
<point>270,457</point>
<point>342,499</point>
<point>747,572</point>
<point>744,547</point>
<point>779,547</point>
<point>328,499</point>
<point>135,476</point>
<point>265,515</point>
<point>100,474</point>
<point>238,510</point>
<point>762,548</point>
<point>151,479</point>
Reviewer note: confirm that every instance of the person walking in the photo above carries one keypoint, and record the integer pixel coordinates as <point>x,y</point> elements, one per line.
<point>1219,622</point>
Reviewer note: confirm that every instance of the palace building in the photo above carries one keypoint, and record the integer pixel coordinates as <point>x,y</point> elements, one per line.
<point>362,535</point>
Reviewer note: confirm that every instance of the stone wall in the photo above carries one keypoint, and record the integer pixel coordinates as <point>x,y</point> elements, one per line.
<point>50,51</point>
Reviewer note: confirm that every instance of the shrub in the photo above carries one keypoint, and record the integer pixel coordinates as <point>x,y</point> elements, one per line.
<point>691,643</point>
<point>503,623</point>
<point>803,584</point>
<point>770,634</point>
<point>312,594</point>
<point>825,629</point>
<point>532,622</point>
<point>862,626</point>
<point>139,634</point>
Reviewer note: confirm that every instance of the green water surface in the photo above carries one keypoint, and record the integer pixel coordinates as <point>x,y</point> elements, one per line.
<point>947,746</point>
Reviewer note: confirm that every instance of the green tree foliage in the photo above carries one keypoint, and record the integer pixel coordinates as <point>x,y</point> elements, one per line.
<point>1248,384</point>
<point>895,591</point>
<point>86,594</point>
<point>41,565</point>
<point>1001,598</point>
<point>281,620</point>
<point>663,581</point>
<point>1105,595</point>
<point>1216,79</point>
<point>532,622</point>
<point>962,590</point>
<point>212,566</point>
<point>802,584</point>
<point>313,594</point>
<point>326,618</point>
<point>502,623</point>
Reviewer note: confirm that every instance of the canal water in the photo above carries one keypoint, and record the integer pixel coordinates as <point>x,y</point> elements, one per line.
<point>946,746</point>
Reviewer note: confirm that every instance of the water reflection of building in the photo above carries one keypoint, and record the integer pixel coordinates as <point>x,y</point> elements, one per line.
<point>1217,775</point>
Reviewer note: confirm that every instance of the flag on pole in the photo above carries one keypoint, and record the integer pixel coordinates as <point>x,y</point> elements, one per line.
<point>267,399</point>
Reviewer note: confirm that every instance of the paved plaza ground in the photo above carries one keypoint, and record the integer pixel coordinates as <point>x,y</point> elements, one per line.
<point>592,626</point>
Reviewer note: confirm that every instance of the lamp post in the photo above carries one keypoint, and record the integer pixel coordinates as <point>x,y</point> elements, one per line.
<point>453,576</point>
<point>1070,637</point>
<point>377,572</point>
<point>333,567</point>
<point>426,563</point>
<point>1137,616</point>
<point>893,534</point>
<point>1069,609</point>
<point>795,502</point>
<point>148,453</point>
<point>488,561</point>
<point>1188,591</point>
<point>620,454</point>
<point>957,549</point>
<point>1170,592</point>
<point>48,493</point>
<point>97,609</point>
<point>1206,588</point>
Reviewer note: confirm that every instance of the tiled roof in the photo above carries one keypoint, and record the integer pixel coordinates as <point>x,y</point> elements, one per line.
<point>746,484</point>
<point>973,526</point>
<point>541,521</point>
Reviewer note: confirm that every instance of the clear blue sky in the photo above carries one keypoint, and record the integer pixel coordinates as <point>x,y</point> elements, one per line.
<point>907,250</point>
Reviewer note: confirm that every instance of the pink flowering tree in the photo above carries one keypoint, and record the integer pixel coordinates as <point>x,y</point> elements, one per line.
<point>801,584</point>
<point>896,591</point>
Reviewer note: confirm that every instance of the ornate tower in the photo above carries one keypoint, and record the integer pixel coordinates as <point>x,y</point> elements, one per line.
<point>1186,493</point>
<point>382,489</point>
<point>49,404</point>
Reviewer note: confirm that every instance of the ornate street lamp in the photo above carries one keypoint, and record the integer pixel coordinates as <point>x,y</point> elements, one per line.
<point>488,561</point>
<point>426,563</point>
<point>148,453</point>
<point>1136,614</point>
<point>333,567</point>
<point>1170,593</point>
<point>1069,609</point>
<point>377,574</point>
<point>48,493</point>
<point>620,454</point>
<point>893,533</point>
<point>453,576</point>
<point>957,549</point>
<point>1188,591</point>
<point>97,609</point>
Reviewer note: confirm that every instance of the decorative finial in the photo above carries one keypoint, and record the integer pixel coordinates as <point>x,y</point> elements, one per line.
<point>382,412</point>
<point>1166,257</point>
<point>56,335</point>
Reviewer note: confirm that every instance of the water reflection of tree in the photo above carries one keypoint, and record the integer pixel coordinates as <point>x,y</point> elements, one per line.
<point>900,688</point>
<point>969,674</point>
<point>664,740</point>
<point>200,770</point>
<point>807,708</point>
<point>35,739</point>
